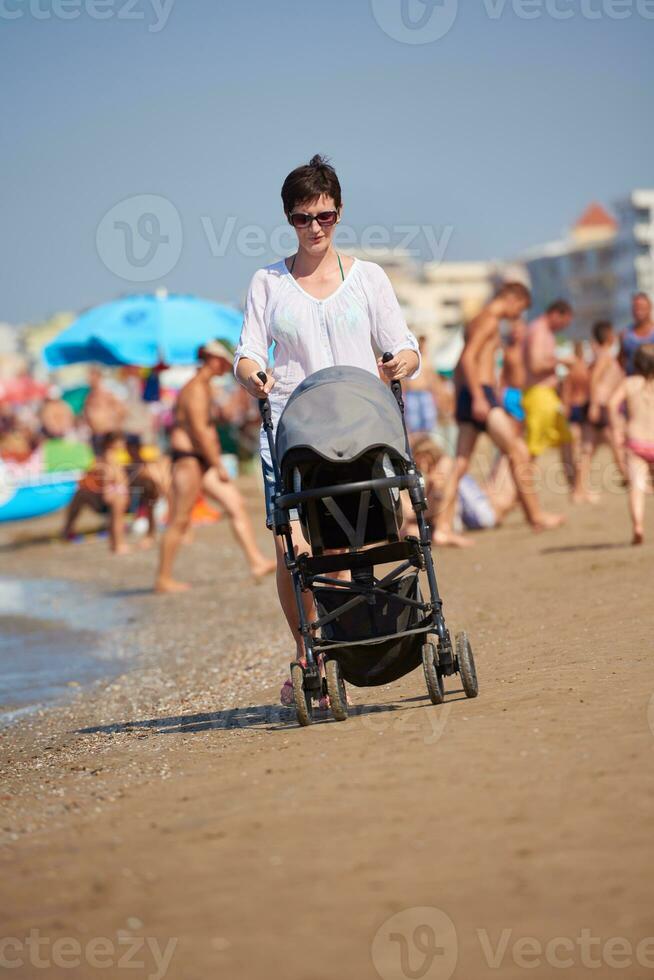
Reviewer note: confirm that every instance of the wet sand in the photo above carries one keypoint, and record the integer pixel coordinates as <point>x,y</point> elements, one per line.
<point>179,813</point>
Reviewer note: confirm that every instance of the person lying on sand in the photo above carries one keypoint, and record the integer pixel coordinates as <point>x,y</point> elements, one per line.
<point>480,506</point>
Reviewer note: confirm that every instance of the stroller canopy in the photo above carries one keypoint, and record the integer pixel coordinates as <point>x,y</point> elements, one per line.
<point>340,413</point>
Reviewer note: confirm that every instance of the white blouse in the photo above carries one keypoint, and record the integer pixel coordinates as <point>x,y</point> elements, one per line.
<point>357,323</point>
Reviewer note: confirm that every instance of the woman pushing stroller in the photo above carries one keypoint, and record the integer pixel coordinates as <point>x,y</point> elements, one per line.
<point>320,309</point>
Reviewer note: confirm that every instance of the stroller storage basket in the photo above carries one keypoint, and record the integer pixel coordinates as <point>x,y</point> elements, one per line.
<point>375,642</point>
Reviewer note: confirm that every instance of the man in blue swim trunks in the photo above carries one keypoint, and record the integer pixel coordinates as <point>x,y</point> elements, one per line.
<point>478,410</point>
<point>514,373</point>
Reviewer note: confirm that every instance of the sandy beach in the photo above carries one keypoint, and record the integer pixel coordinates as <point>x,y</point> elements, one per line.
<point>174,821</point>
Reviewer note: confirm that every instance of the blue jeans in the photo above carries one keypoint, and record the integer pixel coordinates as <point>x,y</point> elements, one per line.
<point>269,489</point>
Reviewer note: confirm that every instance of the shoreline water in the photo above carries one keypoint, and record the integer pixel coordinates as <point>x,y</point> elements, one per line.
<point>56,637</point>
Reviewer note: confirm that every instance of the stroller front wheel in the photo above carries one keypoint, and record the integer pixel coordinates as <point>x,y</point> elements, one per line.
<point>433,678</point>
<point>466,665</point>
<point>336,690</point>
<point>302,697</point>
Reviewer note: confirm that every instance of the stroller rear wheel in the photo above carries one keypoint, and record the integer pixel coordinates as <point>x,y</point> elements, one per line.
<point>466,665</point>
<point>336,690</point>
<point>302,697</point>
<point>433,678</point>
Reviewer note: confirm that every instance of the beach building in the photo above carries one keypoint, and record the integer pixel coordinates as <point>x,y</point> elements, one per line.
<point>580,267</point>
<point>437,298</point>
<point>634,251</point>
<point>598,266</point>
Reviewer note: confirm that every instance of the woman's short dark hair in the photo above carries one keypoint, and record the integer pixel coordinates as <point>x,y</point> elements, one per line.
<point>309,181</point>
<point>644,361</point>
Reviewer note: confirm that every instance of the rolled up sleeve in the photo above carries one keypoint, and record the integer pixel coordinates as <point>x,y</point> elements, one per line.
<point>254,341</point>
<point>389,328</point>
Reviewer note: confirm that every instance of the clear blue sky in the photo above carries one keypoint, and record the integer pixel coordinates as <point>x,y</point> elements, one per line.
<point>502,129</point>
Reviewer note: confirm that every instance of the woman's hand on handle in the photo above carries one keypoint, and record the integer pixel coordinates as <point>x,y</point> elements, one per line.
<point>260,384</point>
<point>404,363</point>
<point>248,374</point>
<point>257,387</point>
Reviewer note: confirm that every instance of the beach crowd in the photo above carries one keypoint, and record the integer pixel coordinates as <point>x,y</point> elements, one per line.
<point>139,449</point>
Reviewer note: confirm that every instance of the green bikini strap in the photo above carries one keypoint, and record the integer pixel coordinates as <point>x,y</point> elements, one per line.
<point>340,266</point>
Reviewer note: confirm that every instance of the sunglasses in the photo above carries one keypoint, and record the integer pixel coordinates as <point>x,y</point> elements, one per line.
<point>299,219</point>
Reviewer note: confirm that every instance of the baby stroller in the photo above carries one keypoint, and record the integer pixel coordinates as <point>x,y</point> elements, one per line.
<point>341,456</point>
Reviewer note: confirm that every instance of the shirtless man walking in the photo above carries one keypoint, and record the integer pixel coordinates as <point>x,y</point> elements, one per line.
<point>575,395</point>
<point>103,412</point>
<point>512,383</point>
<point>478,410</point>
<point>197,465</point>
<point>547,426</point>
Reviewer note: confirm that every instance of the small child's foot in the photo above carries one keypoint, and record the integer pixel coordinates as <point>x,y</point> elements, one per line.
<point>637,538</point>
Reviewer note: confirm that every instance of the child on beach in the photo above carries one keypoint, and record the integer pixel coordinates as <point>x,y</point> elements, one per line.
<point>435,466</point>
<point>105,489</point>
<point>575,395</point>
<point>637,394</point>
<point>479,507</point>
<point>604,377</point>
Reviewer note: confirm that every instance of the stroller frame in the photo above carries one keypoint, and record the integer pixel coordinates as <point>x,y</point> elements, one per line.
<point>307,571</point>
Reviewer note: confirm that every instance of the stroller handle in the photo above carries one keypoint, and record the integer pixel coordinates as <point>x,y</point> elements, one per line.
<point>267,423</point>
<point>264,404</point>
<point>396,388</point>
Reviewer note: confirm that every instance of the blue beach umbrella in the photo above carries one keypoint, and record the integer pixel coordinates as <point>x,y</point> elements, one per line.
<point>144,330</point>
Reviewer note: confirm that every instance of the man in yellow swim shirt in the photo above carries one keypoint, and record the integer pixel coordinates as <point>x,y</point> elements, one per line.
<point>546,424</point>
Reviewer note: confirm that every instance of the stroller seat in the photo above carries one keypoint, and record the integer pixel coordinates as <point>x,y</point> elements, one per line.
<point>350,520</point>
